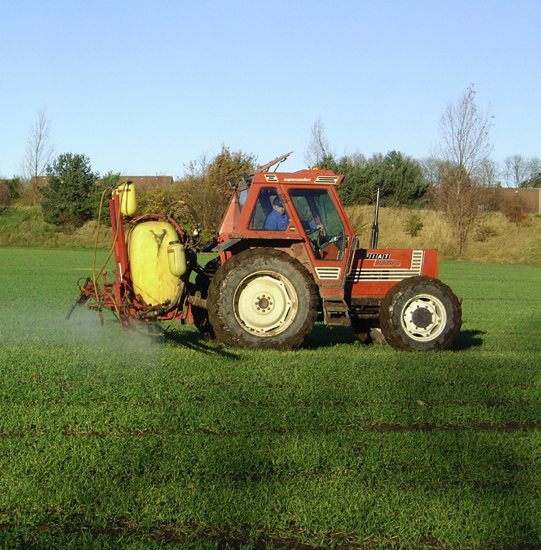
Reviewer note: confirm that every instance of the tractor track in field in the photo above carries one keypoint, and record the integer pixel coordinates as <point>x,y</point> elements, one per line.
<point>203,401</point>
<point>376,427</point>
<point>224,538</point>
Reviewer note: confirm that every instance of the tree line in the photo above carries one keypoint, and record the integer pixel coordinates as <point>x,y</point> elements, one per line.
<point>459,180</point>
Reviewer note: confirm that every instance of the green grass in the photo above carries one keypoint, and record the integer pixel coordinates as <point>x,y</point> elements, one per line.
<point>110,439</point>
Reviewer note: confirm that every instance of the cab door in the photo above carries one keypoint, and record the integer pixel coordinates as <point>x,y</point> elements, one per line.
<point>328,233</point>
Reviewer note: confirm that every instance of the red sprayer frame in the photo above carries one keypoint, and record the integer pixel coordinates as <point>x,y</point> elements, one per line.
<point>119,296</point>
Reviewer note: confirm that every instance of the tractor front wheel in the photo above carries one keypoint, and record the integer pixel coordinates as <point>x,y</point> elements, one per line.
<point>420,313</point>
<point>262,298</point>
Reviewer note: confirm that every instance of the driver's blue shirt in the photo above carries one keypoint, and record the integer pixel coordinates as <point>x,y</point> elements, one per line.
<point>276,221</point>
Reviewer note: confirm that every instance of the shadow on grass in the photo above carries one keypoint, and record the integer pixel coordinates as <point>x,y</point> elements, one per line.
<point>323,336</point>
<point>193,340</point>
<point>320,337</point>
<point>468,339</point>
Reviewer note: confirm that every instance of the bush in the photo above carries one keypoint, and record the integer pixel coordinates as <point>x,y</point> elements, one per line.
<point>156,200</point>
<point>484,233</point>
<point>414,225</point>
<point>516,212</point>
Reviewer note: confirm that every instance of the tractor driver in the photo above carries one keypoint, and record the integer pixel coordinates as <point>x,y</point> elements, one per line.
<point>277,220</point>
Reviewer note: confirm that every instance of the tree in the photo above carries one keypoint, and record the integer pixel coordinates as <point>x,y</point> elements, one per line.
<point>465,149</point>
<point>534,177</point>
<point>401,178</point>
<point>489,173</point>
<point>38,154</point>
<point>465,134</point>
<point>458,198</point>
<point>196,168</point>
<point>225,166</point>
<point>318,148</point>
<point>206,184</point>
<point>71,195</point>
<point>522,172</point>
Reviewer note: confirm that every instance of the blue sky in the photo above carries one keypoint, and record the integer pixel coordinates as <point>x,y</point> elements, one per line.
<point>143,87</point>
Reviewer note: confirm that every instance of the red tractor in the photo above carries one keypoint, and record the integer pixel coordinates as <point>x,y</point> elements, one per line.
<point>287,256</point>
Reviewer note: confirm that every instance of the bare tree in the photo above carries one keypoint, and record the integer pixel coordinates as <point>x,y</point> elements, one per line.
<point>318,147</point>
<point>465,148</point>
<point>465,134</point>
<point>521,172</point>
<point>38,154</point>
<point>197,168</point>
<point>489,173</point>
<point>535,170</point>
<point>515,168</point>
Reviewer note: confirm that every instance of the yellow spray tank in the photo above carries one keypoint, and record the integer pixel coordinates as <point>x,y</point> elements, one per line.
<point>149,263</point>
<point>128,201</point>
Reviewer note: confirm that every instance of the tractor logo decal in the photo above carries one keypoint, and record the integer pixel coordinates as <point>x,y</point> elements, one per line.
<point>381,274</point>
<point>377,256</point>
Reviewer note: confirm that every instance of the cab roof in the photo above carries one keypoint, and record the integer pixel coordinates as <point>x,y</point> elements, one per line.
<point>303,177</point>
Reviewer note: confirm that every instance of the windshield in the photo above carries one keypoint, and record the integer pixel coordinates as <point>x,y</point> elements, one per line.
<point>321,222</point>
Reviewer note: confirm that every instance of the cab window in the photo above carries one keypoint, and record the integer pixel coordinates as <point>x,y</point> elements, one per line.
<point>321,222</point>
<point>269,212</point>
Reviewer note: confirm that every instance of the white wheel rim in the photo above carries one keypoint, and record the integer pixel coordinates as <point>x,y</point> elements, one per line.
<point>423,318</point>
<point>265,303</point>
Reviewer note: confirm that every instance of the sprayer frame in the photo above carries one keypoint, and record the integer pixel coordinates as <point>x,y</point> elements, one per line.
<point>118,296</point>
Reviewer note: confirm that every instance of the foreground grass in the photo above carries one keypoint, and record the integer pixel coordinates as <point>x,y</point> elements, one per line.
<point>116,440</point>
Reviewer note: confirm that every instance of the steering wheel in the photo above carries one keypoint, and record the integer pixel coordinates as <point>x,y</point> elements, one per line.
<point>333,239</point>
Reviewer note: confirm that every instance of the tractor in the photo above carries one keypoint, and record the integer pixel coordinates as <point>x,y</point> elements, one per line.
<point>285,256</point>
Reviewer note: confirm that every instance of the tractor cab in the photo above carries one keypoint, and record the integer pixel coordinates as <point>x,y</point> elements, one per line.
<point>289,206</point>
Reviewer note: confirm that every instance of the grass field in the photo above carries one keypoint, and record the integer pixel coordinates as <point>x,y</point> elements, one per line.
<point>111,439</point>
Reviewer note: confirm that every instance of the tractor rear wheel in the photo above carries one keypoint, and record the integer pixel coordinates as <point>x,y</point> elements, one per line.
<point>262,298</point>
<point>420,313</point>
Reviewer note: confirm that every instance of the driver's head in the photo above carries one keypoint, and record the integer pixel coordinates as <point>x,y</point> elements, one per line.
<point>278,205</point>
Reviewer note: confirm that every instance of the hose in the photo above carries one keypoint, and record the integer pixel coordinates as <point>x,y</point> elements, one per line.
<point>94,276</point>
